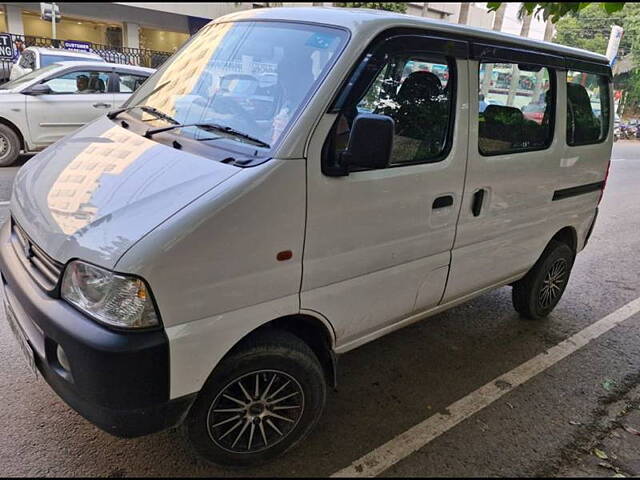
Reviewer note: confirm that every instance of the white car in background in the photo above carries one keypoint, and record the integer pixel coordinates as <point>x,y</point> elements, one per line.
<point>43,106</point>
<point>33,58</point>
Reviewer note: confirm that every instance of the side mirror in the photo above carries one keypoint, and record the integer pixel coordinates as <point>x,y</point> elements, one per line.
<point>370,142</point>
<point>39,89</point>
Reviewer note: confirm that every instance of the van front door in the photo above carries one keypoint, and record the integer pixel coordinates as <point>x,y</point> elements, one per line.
<point>378,242</point>
<point>515,148</point>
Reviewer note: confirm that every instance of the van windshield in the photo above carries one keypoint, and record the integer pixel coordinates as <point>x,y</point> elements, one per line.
<point>249,76</point>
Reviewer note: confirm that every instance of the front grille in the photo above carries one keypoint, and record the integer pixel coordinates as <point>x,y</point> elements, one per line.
<point>44,270</point>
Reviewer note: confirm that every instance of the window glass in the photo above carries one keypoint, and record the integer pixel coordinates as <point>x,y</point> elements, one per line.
<point>515,107</point>
<point>129,82</point>
<point>24,79</point>
<point>49,59</point>
<point>80,82</point>
<point>587,108</point>
<point>416,92</point>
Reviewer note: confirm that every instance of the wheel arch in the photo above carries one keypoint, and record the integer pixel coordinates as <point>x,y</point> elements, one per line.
<point>568,236</point>
<point>315,332</point>
<point>15,128</point>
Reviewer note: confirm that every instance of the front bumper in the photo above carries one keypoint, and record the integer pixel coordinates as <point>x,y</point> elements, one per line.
<point>117,380</point>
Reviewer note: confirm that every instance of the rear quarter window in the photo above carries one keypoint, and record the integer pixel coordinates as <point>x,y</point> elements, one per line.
<point>587,108</point>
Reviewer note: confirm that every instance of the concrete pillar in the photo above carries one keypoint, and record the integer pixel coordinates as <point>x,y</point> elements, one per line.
<point>14,19</point>
<point>131,33</point>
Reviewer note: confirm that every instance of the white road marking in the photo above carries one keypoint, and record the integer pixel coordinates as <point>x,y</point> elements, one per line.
<point>5,204</point>
<point>403,445</point>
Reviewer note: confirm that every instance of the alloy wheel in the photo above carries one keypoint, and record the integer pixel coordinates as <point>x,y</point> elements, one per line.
<point>553,283</point>
<point>255,412</point>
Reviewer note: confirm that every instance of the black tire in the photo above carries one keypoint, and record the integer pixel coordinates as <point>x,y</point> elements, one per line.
<point>533,296</point>
<point>9,146</point>
<point>265,355</point>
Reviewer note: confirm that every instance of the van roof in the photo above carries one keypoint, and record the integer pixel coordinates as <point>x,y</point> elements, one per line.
<point>375,21</point>
<point>121,66</point>
<point>63,52</point>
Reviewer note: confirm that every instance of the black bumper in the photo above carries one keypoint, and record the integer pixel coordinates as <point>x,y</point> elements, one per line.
<point>117,380</point>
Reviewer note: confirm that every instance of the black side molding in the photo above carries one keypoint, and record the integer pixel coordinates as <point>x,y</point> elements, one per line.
<point>579,190</point>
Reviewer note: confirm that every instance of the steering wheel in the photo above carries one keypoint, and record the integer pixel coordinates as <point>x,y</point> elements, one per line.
<point>226,105</point>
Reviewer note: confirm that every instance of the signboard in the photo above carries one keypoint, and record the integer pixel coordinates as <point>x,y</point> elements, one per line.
<point>614,43</point>
<point>47,12</point>
<point>6,48</point>
<point>77,45</point>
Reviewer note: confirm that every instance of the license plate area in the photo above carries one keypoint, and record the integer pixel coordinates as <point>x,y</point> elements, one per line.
<point>21,338</point>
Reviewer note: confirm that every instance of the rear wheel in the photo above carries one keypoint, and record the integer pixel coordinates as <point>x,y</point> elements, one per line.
<point>539,291</point>
<point>261,401</point>
<point>9,146</point>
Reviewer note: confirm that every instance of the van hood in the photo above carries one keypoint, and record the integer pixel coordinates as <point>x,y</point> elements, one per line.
<point>95,193</point>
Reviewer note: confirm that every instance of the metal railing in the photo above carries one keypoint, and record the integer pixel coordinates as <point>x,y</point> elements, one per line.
<point>130,56</point>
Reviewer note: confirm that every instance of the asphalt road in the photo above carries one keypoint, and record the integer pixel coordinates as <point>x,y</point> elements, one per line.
<point>545,426</point>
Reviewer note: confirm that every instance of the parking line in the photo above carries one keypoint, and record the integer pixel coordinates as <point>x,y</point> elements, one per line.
<point>403,445</point>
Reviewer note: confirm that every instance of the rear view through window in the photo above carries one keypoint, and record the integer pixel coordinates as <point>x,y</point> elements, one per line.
<point>415,92</point>
<point>516,108</point>
<point>587,108</point>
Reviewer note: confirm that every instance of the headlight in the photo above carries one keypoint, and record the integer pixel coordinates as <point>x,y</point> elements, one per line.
<point>117,300</point>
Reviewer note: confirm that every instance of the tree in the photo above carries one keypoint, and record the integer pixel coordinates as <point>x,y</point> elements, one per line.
<point>588,29</point>
<point>556,10</point>
<point>389,6</point>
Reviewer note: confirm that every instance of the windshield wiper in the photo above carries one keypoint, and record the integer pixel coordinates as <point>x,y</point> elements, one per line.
<point>114,113</point>
<point>209,127</point>
<point>145,108</point>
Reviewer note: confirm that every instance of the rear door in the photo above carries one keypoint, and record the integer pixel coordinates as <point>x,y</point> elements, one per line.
<point>378,242</point>
<point>125,83</point>
<point>78,96</point>
<point>515,163</point>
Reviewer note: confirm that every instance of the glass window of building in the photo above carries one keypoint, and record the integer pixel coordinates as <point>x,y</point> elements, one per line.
<point>160,40</point>
<point>69,28</point>
<point>3,20</point>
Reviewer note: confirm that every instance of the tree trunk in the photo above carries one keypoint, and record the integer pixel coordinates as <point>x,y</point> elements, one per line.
<point>463,18</point>
<point>548,35</point>
<point>515,72</point>
<point>498,20</point>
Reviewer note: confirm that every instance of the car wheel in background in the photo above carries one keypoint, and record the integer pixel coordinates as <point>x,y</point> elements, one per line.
<point>9,146</point>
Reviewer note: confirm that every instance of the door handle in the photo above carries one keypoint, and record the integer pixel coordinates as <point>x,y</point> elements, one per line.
<point>101,105</point>
<point>444,201</point>
<point>478,198</point>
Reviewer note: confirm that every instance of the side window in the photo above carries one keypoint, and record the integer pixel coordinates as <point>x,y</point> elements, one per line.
<point>80,82</point>
<point>416,91</point>
<point>516,108</point>
<point>129,83</point>
<point>587,108</point>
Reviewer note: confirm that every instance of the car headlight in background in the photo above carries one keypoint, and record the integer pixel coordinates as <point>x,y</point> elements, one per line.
<point>117,300</point>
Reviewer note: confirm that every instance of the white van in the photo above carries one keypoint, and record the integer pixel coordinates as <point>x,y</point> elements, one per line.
<point>208,274</point>
<point>33,58</point>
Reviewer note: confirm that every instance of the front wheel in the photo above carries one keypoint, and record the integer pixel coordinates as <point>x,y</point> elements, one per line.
<point>9,146</point>
<point>539,291</point>
<point>261,401</point>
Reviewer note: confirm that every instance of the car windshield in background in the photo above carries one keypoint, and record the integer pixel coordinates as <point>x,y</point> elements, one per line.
<point>24,79</point>
<point>49,59</point>
<point>249,76</point>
